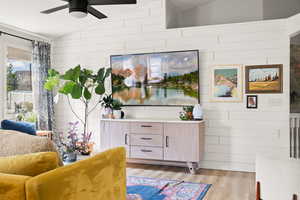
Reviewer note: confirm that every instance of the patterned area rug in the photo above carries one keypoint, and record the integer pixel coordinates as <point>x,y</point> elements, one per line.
<point>141,188</point>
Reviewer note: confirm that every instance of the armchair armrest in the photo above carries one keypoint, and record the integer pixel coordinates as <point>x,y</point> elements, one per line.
<point>102,176</point>
<point>12,187</point>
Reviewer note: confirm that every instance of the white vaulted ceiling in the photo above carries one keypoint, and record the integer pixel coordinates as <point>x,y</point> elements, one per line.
<point>25,14</point>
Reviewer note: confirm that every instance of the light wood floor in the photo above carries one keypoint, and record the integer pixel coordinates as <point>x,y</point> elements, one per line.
<point>226,185</point>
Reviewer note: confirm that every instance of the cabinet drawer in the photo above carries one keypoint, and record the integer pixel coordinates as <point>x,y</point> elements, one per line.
<point>146,127</point>
<point>154,153</point>
<point>146,140</point>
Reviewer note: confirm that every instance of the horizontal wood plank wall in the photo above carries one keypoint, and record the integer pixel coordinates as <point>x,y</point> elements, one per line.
<point>234,134</point>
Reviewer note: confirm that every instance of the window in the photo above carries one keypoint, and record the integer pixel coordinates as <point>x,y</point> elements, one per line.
<point>19,95</point>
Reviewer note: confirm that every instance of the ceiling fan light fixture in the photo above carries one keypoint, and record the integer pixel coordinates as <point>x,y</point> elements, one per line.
<point>78,14</point>
<point>81,8</point>
<point>78,8</point>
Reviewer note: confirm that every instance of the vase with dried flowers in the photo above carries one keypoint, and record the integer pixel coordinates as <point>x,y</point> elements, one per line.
<point>69,142</point>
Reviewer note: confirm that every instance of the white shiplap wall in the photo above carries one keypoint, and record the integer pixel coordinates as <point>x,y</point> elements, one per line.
<point>234,134</point>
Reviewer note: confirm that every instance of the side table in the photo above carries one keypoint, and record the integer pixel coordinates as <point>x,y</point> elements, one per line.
<point>47,134</point>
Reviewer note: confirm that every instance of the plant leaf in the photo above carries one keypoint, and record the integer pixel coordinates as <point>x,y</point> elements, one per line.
<point>100,74</point>
<point>67,88</point>
<point>52,73</point>
<point>108,72</point>
<point>87,94</point>
<point>87,72</point>
<point>100,89</point>
<point>76,91</point>
<point>82,79</point>
<point>51,83</point>
<point>72,74</point>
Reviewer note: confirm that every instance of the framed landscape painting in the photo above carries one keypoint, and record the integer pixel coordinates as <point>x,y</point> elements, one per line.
<point>227,83</point>
<point>156,79</point>
<point>264,79</point>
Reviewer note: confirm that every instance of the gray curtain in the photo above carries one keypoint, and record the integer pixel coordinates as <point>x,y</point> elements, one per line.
<point>43,99</point>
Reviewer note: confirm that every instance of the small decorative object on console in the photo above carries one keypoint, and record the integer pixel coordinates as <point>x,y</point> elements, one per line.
<point>198,112</point>
<point>117,109</point>
<point>112,108</point>
<point>107,105</point>
<point>187,113</point>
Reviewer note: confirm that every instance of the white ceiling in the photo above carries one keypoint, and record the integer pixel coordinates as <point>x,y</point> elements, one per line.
<point>25,14</point>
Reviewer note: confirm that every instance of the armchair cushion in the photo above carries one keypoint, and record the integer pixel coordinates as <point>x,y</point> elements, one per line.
<point>12,187</point>
<point>15,143</point>
<point>29,164</point>
<point>102,176</point>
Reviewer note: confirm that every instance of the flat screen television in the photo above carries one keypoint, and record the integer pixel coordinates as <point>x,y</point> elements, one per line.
<point>156,79</point>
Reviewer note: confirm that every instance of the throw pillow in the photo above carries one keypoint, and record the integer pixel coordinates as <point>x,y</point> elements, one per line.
<point>24,127</point>
<point>29,164</point>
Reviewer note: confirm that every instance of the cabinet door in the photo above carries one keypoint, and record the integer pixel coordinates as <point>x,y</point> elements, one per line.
<point>181,142</point>
<point>119,135</point>
<point>104,136</point>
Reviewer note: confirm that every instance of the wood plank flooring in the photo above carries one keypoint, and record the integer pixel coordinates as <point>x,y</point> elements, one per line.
<point>226,185</point>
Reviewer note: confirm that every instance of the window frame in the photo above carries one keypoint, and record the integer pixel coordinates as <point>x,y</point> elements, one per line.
<point>9,41</point>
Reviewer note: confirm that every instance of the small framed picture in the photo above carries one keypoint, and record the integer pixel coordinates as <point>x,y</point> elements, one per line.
<point>227,83</point>
<point>252,101</point>
<point>264,79</point>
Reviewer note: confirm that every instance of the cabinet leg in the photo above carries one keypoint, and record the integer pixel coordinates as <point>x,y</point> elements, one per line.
<point>192,167</point>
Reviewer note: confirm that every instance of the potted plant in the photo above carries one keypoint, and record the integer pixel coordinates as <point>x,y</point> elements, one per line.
<point>69,143</point>
<point>112,107</point>
<point>187,113</point>
<point>117,109</point>
<point>107,105</point>
<point>82,85</point>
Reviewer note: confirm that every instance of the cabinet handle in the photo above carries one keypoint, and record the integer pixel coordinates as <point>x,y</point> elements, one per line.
<point>146,126</point>
<point>146,151</point>
<point>126,140</point>
<point>167,141</point>
<point>143,138</point>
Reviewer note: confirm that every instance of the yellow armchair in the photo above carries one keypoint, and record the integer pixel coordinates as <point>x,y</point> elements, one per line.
<point>101,177</point>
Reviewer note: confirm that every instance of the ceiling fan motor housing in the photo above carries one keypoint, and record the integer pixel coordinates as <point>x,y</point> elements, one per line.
<point>78,6</point>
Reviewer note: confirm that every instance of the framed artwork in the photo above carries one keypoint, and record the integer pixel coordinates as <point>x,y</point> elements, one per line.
<point>156,79</point>
<point>252,101</point>
<point>264,79</point>
<point>227,83</point>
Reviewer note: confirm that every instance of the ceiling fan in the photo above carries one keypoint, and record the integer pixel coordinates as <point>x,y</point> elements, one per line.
<point>80,8</point>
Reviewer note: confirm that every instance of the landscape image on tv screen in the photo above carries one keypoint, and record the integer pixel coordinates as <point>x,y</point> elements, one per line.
<point>157,79</point>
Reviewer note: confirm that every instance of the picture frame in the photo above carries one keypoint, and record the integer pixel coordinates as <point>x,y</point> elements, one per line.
<point>158,75</point>
<point>252,101</point>
<point>226,83</point>
<point>264,79</point>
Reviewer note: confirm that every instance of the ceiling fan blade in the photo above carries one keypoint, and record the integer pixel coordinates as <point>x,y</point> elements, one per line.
<point>52,10</point>
<point>96,13</point>
<point>111,2</point>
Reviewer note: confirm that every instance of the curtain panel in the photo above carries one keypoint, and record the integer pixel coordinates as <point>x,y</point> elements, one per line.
<point>41,63</point>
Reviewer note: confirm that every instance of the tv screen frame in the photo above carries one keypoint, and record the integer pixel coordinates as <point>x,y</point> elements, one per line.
<point>166,52</point>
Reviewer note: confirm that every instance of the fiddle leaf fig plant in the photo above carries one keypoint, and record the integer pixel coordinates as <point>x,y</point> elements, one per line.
<point>81,84</point>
